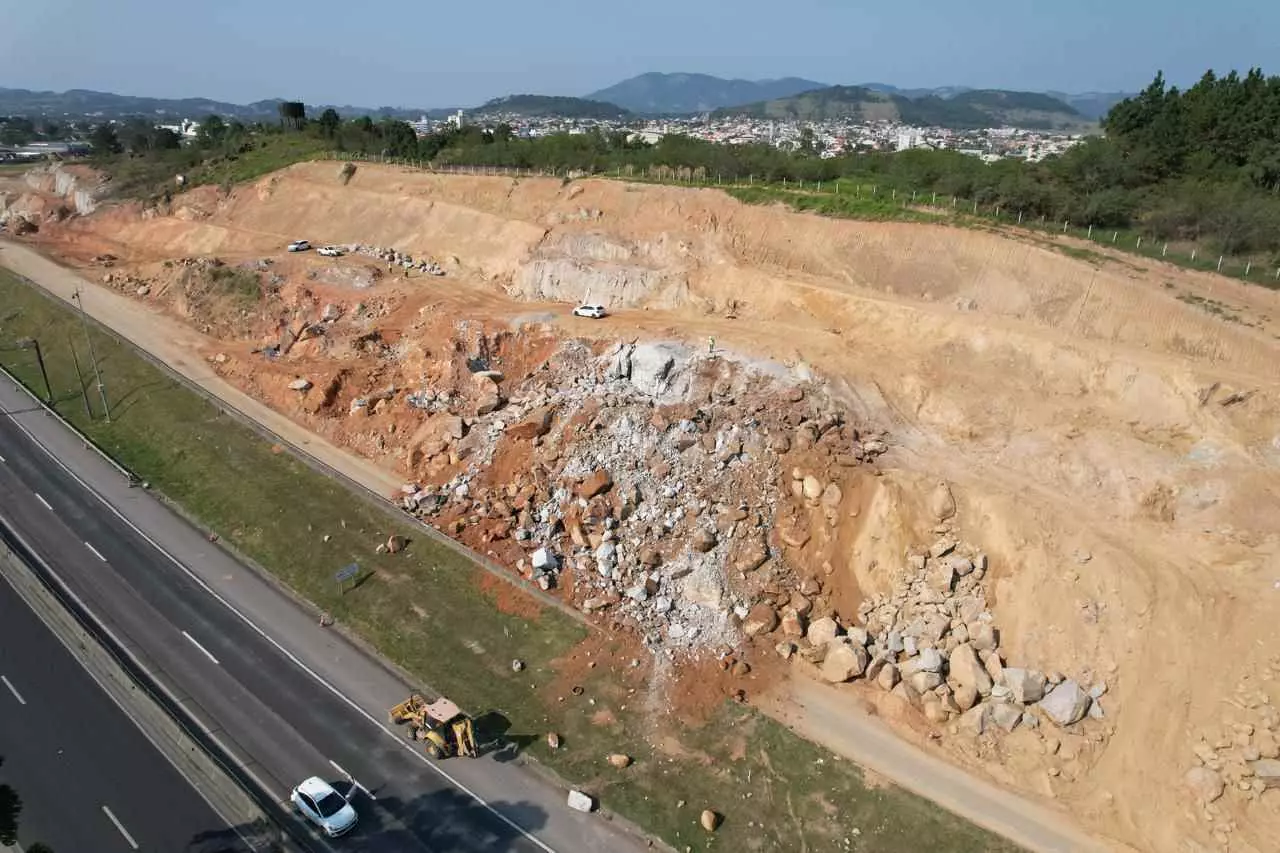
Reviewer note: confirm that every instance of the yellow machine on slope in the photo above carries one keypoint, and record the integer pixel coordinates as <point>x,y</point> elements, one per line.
<point>442,727</point>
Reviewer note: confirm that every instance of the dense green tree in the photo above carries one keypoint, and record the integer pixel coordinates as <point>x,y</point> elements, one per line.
<point>212,132</point>
<point>104,139</point>
<point>17,130</point>
<point>329,122</point>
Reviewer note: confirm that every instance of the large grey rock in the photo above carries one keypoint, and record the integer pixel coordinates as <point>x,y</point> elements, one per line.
<point>967,671</point>
<point>923,681</point>
<point>1005,715</point>
<point>761,619</point>
<point>934,712</point>
<point>1205,784</point>
<point>966,696</point>
<point>812,487</point>
<point>651,366</point>
<point>974,721</point>
<point>993,663</point>
<point>1066,704</point>
<point>858,636</point>
<point>822,631</point>
<point>940,576</point>
<point>929,660</point>
<point>1025,685</point>
<point>906,693</point>
<point>843,662</point>
<point>579,801</point>
<point>941,502</point>
<point>607,558</point>
<point>620,364</point>
<point>983,636</point>
<point>1266,770</point>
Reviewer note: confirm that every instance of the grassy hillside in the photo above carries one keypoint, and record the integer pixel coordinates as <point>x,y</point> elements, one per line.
<point>551,105</point>
<point>1025,109</point>
<point>694,93</point>
<point>832,102</point>
<point>975,109</point>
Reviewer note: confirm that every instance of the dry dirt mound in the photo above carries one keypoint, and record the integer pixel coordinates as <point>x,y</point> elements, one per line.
<point>1110,435</point>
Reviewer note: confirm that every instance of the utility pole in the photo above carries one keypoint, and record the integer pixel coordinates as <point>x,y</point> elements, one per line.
<point>93,356</point>
<point>75,359</point>
<point>32,343</point>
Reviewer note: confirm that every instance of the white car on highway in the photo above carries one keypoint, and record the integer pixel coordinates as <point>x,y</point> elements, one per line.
<point>595,312</point>
<point>299,246</point>
<point>331,251</point>
<point>317,801</point>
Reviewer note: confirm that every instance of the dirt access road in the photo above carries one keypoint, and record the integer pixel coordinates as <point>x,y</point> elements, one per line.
<point>816,711</point>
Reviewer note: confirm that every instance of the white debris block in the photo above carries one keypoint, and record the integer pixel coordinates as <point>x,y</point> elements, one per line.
<point>579,801</point>
<point>544,561</point>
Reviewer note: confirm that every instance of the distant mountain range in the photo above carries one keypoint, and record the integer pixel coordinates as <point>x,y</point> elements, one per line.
<point>975,108</point>
<point>647,94</point>
<point>657,94</point>
<point>78,103</point>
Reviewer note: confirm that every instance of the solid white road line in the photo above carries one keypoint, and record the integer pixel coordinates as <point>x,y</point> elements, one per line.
<point>201,648</point>
<point>120,826</point>
<point>96,552</point>
<point>13,690</point>
<point>347,700</point>
<point>352,780</point>
<point>40,498</point>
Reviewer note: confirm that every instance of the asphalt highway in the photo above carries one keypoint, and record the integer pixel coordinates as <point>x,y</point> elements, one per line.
<point>88,778</point>
<point>253,678</point>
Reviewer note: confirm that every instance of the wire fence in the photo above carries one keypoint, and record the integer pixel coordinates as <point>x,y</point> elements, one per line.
<point>853,198</point>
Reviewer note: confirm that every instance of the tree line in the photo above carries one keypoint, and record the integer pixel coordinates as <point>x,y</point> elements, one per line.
<point>1200,165</point>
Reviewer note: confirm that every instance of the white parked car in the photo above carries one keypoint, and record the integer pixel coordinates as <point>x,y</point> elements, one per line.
<point>317,801</point>
<point>331,251</point>
<point>299,246</point>
<point>595,312</point>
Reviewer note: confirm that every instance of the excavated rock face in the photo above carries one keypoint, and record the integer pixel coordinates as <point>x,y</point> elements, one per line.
<point>652,472</point>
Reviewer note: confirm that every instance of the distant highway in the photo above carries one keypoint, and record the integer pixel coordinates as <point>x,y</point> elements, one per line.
<point>287,697</point>
<point>88,778</point>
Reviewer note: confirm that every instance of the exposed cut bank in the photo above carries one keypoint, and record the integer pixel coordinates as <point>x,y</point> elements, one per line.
<point>1098,576</point>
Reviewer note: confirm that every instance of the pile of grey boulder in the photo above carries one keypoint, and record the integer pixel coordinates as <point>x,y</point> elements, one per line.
<point>655,480</point>
<point>396,258</point>
<point>933,643</point>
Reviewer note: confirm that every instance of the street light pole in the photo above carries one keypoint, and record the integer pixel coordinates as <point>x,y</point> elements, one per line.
<point>93,356</point>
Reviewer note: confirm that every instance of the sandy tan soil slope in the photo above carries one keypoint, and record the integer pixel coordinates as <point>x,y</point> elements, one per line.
<point>1110,432</point>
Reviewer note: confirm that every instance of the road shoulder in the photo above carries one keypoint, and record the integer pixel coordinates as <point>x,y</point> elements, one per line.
<point>176,744</point>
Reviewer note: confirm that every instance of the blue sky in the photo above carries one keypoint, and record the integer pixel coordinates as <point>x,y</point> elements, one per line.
<point>413,53</point>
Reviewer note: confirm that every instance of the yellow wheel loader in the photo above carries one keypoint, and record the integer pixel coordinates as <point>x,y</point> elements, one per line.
<point>440,725</point>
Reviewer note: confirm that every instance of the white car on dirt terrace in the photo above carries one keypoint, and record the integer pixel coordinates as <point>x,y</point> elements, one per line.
<point>331,251</point>
<point>299,246</point>
<point>594,312</point>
